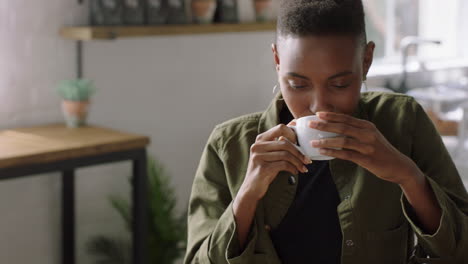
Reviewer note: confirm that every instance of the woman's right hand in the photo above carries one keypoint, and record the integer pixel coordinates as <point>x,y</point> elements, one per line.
<point>272,152</point>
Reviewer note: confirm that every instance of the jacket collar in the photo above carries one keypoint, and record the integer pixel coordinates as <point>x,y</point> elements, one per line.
<point>271,116</point>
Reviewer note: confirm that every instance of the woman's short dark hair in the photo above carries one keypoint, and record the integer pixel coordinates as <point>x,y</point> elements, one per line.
<point>321,17</point>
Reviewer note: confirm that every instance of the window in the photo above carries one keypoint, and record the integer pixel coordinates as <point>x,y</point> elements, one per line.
<point>388,21</point>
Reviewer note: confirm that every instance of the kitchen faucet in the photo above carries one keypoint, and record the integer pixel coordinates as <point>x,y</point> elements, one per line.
<point>405,44</point>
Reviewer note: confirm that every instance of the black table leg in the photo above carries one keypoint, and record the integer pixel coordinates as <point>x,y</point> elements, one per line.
<point>139,193</point>
<point>68,217</point>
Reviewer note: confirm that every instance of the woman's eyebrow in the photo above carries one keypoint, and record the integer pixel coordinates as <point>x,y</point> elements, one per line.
<point>297,75</point>
<point>340,74</point>
<point>329,78</point>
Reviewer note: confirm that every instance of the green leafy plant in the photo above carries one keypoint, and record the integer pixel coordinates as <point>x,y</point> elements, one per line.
<point>167,230</point>
<point>76,90</point>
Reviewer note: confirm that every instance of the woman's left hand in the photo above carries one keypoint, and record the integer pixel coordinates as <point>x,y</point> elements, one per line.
<point>364,145</point>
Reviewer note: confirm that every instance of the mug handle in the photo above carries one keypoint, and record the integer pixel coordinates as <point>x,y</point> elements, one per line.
<point>296,145</point>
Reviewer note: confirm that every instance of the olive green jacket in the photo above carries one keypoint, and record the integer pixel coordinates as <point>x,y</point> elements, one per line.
<point>376,220</point>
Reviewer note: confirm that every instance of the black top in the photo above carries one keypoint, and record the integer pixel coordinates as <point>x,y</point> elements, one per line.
<point>310,231</point>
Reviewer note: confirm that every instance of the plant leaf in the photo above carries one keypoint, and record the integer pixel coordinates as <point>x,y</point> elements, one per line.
<point>167,229</point>
<point>109,250</point>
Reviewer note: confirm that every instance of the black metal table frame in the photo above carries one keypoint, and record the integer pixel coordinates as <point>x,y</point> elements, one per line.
<point>68,167</point>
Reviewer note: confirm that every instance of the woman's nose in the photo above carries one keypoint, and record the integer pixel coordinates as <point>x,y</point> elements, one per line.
<point>321,103</point>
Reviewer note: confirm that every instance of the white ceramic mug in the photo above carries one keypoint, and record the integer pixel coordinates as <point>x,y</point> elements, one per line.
<point>305,134</point>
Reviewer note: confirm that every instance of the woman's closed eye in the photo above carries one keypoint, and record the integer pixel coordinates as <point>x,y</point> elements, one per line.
<point>297,84</point>
<point>340,84</point>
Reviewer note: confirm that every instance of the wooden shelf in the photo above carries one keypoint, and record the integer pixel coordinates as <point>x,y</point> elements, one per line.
<point>113,32</point>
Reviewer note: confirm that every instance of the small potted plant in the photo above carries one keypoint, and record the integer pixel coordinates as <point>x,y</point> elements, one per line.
<point>263,10</point>
<point>76,95</point>
<point>203,11</point>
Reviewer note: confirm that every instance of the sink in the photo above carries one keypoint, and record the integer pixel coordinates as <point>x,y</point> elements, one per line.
<point>443,100</point>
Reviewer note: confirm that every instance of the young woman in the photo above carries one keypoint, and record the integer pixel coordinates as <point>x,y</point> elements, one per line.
<point>257,199</point>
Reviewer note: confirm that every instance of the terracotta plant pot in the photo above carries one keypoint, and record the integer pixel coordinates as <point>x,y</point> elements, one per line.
<point>203,11</point>
<point>75,112</point>
<point>263,10</point>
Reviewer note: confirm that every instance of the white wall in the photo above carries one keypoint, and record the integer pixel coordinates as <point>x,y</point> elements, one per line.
<point>176,89</point>
<point>32,60</point>
<point>173,89</point>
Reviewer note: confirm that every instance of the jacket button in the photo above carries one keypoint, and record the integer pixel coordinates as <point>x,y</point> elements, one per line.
<point>292,180</point>
<point>268,228</point>
<point>349,243</point>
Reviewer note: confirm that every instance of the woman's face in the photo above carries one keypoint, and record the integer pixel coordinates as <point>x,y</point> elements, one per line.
<point>321,73</point>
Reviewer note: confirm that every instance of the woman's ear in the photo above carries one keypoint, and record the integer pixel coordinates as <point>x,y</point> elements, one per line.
<point>368,57</point>
<point>274,49</point>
